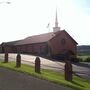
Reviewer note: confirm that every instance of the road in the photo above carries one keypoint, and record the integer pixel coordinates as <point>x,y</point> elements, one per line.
<point>11,80</point>
<point>82,69</point>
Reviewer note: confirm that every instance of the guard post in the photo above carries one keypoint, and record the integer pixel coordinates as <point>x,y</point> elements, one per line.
<point>6,57</point>
<point>68,71</point>
<point>37,65</point>
<point>18,60</point>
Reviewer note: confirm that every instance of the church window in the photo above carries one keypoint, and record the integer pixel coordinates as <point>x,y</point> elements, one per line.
<point>63,41</point>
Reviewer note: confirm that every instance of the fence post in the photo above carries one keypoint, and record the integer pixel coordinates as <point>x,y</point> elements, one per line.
<point>6,57</point>
<point>68,71</point>
<point>37,65</point>
<point>18,60</point>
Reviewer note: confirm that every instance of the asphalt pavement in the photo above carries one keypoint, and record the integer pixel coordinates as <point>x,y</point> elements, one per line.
<point>11,80</point>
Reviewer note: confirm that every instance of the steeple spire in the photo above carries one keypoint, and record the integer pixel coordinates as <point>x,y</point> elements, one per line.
<point>56,21</point>
<point>56,28</point>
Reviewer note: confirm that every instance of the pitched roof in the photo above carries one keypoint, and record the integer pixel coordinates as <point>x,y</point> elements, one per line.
<point>10,43</point>
<point>36,39</point>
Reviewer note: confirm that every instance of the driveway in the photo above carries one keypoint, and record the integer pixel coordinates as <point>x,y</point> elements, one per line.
<point>82,69</point>
<point>30,60</point>
<point>11,80</point>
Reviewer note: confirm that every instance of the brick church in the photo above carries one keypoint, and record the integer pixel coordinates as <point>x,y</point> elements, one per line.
<point>58,44</point>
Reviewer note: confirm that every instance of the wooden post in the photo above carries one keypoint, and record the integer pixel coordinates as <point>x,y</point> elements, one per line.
<point>6,57</point>
<point>37,65</point>
<point>68,71</point>
<point>18,60</point>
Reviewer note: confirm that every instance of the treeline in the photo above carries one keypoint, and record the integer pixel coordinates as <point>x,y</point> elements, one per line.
<point>83,50</point>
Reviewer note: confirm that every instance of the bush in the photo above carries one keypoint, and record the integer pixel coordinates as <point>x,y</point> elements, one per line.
<point>87,59</point>
<point>76,60</point>
<point>80,59</point>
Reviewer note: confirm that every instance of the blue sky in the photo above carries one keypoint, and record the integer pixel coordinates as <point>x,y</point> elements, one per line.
<point>83,5</point>
<point>23,18</point>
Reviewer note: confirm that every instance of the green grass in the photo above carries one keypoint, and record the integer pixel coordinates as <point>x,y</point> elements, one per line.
<point>52,76</point>
<point>84,58</point>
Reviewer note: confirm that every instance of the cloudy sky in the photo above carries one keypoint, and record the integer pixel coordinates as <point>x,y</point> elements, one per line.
<point>22,18</point>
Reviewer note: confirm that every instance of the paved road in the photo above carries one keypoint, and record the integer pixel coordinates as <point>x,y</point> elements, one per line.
<point>82,69</point>
<point>11,80</point>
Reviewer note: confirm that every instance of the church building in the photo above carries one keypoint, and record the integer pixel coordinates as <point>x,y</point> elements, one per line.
<point>56,44</point>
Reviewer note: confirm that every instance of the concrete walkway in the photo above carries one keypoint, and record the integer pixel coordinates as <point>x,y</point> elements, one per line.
<point>11,80</point>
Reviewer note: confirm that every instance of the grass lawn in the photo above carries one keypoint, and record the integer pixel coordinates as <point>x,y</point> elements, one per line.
<point>83,57</point>
<point>52,76</point>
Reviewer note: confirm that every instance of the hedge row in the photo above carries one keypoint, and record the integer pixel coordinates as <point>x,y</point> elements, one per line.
<point>81,60</point>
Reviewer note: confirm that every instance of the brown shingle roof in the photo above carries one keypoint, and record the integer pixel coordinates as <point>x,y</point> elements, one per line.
<point>10,43</point>
<point>36,39</point>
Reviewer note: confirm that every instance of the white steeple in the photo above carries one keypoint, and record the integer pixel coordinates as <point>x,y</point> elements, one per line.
<point>56,21</point>
<point>56,28</point>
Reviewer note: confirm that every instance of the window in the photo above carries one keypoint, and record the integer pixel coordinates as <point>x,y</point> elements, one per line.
<point>63,41</point>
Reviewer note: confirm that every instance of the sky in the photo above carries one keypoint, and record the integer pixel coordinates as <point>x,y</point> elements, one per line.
<point>22,18</point>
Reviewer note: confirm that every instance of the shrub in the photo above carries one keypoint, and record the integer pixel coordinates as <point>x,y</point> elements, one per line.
<point>87,59</point>
<point>80,59</point>
<point>76,60</point>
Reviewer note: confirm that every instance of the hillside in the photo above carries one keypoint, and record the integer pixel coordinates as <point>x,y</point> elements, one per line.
<point>83,50</point>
